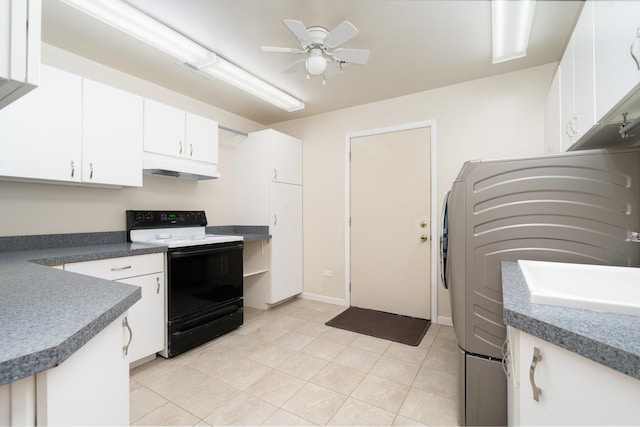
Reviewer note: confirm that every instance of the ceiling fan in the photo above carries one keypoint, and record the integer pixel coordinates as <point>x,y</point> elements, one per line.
<point>323,56</point>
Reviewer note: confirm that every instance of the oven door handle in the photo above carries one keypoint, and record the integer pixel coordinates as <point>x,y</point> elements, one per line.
<point>183,254</point>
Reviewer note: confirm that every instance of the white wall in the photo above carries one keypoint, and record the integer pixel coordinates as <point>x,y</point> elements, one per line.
<point>30,208</point>
<point>495,117</point>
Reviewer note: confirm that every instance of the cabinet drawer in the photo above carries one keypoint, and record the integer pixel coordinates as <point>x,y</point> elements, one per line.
<point>119,268</point>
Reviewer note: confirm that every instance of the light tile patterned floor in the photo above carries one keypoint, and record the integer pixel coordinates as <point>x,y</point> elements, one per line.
<point>285,367</point>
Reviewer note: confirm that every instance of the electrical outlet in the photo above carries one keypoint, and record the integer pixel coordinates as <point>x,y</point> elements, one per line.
<point>327,273</point>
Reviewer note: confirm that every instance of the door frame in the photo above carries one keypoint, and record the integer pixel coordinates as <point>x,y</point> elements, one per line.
<point>431,124</point>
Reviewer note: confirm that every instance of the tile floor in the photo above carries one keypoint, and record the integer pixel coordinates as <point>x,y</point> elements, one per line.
<point>285,367</point>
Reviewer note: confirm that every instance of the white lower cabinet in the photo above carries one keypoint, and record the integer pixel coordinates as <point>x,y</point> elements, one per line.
<point>573,390</point>
<point>91,387</point>
<point>286,229</point>
<point>147,316</point>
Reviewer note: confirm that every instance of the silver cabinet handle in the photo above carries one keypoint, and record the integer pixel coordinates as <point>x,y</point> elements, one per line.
<point>275,219</point>
<point>90,170</point>
<point>505,358</point>
<point>73,169</point>
<point>532,371</point>
<point>191,148</point>
<point>180,146</point>
<point>125,324</point>
<point>158,283</point>
<point>275,173</point>
<point>635,49</point>
<point>126,267</point>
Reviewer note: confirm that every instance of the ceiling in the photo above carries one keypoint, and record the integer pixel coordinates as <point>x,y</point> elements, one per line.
<point>415,45</point>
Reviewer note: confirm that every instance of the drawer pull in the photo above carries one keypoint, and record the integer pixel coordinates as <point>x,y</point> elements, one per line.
<point>158,283</point>
<point>532,371</point>
<point>126,267</point>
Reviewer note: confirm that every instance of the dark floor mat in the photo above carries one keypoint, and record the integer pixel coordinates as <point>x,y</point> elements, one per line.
<point>393,327</point>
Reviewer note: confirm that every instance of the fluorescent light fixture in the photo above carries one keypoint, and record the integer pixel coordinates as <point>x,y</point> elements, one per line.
<point>130,20</point>
<point>511,25</point>
<point>230,73</point>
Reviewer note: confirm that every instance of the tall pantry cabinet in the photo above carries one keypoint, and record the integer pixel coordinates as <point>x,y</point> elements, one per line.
<point>268,180</point>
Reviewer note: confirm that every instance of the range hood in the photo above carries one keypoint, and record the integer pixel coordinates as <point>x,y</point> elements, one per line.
<point>175,167</point>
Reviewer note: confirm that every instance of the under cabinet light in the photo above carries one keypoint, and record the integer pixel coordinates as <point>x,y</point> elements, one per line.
<point>132,21</point>
<point>511,26</point>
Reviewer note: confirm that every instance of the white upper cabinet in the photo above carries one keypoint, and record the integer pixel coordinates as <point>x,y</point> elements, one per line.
<point>616,26</point>
<point>20,24</point>
<point>41,133</point>
<point>201,136</point>
<point>286,157</point>
<point>173,132</point>
<point>163,129</point>
<point>71,129</point>
<point>112,136</point>
<point>567,103</point>
<point>597,70</point>
<point>552,119</point>
<point>583,74</point>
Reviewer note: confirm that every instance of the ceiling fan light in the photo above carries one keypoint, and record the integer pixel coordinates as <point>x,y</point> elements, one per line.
<point>316,64</point>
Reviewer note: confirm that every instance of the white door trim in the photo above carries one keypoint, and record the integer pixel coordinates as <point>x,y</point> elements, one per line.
<point>431,124</point>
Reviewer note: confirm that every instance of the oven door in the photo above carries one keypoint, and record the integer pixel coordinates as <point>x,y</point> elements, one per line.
<point>203,277</point>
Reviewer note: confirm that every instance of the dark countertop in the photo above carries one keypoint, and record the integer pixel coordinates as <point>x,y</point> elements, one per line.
<point>610,339</point>
<point>248,232</point>
<point>47,314</point>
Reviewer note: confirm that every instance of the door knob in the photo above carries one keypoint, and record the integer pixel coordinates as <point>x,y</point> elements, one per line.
<point>424,237</point>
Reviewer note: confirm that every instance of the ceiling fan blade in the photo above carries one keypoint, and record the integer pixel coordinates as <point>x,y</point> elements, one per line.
<point>295,66</point>
<point>281,49</point>
<point>353,56</point>
<point>298,29</point>
<point>343,32</point>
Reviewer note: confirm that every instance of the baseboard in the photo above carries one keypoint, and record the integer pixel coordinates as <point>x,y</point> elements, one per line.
<point>322,298</point>
<point>446,321</point>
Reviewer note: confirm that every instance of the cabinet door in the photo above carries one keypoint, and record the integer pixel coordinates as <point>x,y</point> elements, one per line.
<point>202,139</point>
<point>575,390</point>
<point>286,158</point>
<point>91,387</point>
<point>146,317</point>
<point>112,136</point>
<point>41,133</point>
<point>164,129</point>
<point>567,109</point>
<point>583,71</point>
<point>552,120</point>
<point>286,246</point>
<point>615,24</point>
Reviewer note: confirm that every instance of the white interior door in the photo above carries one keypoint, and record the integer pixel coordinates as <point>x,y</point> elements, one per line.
<point>390,222</point>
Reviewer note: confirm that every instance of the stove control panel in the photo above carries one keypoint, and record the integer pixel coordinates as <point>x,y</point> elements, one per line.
<point>164,219</point>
